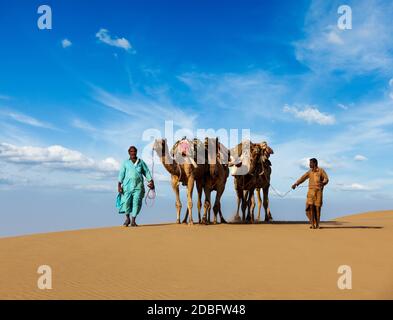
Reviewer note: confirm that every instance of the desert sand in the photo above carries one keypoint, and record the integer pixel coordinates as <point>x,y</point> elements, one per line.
<point>283,260</point>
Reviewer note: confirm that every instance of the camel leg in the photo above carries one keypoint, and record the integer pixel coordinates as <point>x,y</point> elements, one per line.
<point>206,206</point>
<point>217,205</point>
<point>268,215</point>
<point>244,205</point>
<point>175,187</point>
<point>190,188</point>
<point>259,203</point>
<point>252,206</point>
<point>199,190</point>
<point>239,202</point>
<point>247,200</point>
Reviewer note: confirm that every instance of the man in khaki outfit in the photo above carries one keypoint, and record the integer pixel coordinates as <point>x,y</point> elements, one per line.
<point>317,180</point>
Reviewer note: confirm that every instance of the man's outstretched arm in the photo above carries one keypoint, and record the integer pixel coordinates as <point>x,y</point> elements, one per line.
<point>301,180</point>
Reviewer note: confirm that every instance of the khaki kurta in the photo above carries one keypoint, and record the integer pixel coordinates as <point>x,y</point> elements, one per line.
<point>317,179</point>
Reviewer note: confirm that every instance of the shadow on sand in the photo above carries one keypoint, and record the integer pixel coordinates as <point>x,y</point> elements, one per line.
<point>324,224</point>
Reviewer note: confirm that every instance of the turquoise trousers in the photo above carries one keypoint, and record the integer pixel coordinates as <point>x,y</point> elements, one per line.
<point>130,202</point>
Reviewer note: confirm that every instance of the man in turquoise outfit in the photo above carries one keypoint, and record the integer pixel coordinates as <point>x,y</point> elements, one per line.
<point>130,187</point>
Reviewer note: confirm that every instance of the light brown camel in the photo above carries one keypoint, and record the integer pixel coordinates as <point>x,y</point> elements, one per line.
<point>186,173</point>
<point>215,180</point>
<point>245,184</point>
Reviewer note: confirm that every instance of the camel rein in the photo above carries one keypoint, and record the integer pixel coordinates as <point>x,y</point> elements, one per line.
<point>278,193</point>
<point>151,193</point>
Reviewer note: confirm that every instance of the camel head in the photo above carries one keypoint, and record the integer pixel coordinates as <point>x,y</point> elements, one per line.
<point>255,158</point>
<point>160,146</point>
<point>266,150</point>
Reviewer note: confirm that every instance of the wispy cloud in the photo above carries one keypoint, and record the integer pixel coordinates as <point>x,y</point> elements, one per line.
<point>25,119</point>
<point>310,114</point>
<point>366,47</point>
<point>65,43</point>
<point>147,111</point>
<point>253,94</point>
<point>104,36</point>
<point>4,97</point>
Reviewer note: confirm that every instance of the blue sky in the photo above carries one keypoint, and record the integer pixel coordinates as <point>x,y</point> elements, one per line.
<point>74,98</point>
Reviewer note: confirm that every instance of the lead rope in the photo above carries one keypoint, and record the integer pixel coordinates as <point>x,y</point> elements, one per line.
<point>278,193</point>
<point>151,193</point>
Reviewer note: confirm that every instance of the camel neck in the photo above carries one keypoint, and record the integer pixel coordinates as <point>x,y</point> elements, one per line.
<point>169,164</point>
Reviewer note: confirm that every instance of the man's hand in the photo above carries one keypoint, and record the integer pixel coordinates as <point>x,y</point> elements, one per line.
<point>151,184</point>
<point>294,186</point>
<point>120,189</point>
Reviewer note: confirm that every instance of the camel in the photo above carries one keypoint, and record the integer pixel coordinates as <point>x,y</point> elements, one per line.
<point>246,184</point>
<point>263,182</point>
<point>186,173</point>
<point>216,178</point>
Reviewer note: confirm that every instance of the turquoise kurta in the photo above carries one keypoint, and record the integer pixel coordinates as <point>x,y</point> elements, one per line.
<point>131,177</point>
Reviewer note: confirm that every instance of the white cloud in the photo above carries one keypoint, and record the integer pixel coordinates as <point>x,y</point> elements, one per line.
<point>310,114</point>
<point>104,36</point>
<point>25,119</point>
<point>360,157</point>
<point>65,43</point>
<point>56,157</point>
<point>334,38</point>
<point>355,187</point>
<point>343,106</point>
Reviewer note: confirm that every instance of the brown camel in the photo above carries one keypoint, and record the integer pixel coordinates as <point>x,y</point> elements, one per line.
<point>245,184</point>
<point>216,178</point>
<point>184,172</point>
<point>263,182</point>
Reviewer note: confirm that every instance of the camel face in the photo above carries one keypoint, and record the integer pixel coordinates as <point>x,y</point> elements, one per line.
<point>255,158</point>
<point>160,147</point>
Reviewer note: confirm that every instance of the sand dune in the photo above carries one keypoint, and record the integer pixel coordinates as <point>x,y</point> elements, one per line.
<point>275,261</point>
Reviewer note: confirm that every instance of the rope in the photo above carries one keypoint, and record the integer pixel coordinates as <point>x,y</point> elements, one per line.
<point>278,193</point>
<point>286,193</point>
<point>151,194</point>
